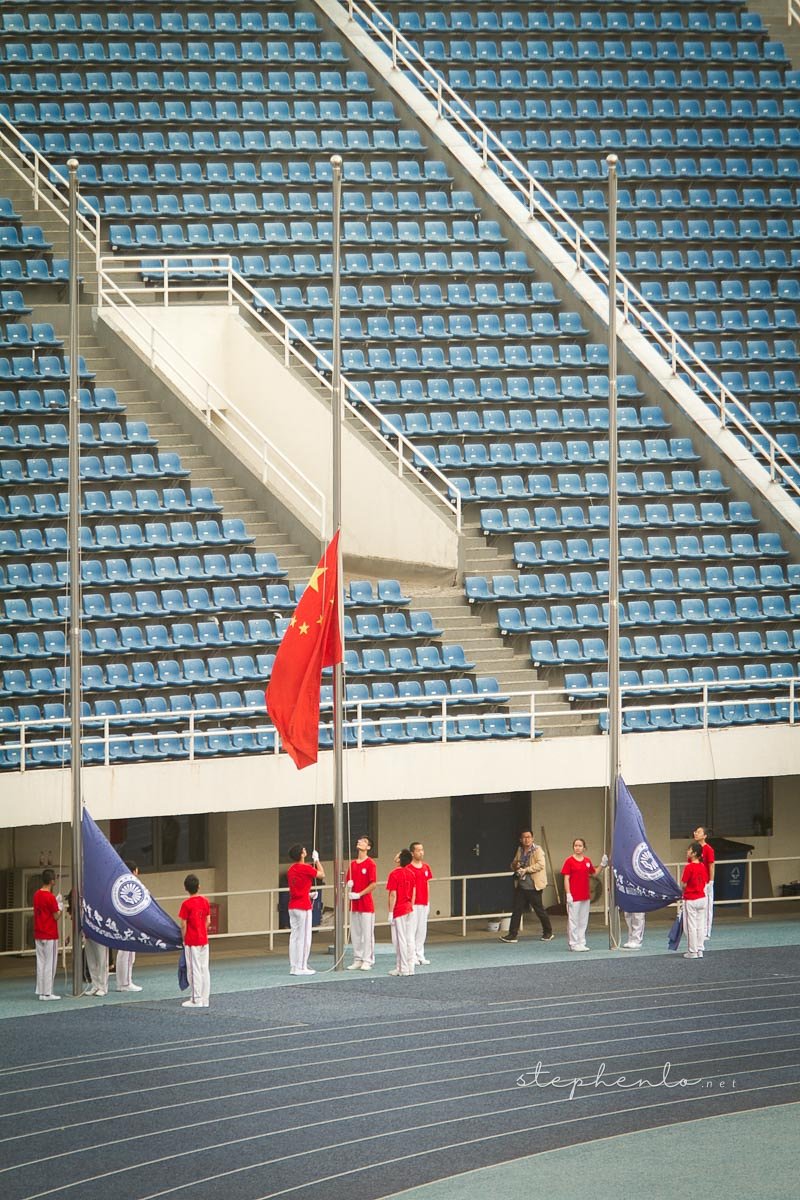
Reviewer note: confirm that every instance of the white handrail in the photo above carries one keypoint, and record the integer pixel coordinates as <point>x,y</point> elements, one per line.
<point>167,271</point>
<point>537,705</point>
<point>214,404</point>
<point>588,256</point>
<point>793,13</point>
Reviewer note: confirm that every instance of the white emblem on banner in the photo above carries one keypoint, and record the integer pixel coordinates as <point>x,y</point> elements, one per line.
<point>129,895</point>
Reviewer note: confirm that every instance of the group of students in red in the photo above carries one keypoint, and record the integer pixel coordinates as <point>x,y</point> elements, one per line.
<point>408,899</point>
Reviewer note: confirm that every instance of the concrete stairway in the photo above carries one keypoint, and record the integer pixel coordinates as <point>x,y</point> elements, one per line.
<point>774,14</point>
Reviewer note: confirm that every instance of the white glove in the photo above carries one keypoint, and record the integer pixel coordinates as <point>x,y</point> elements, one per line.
<point>604,861</point>
<point>313,895</point>
<point>391,919</point>
<point>314,856</point>
<point>355,895</point>
<point>60,902</point>
<point>349,883</point>
<point>569,901</point>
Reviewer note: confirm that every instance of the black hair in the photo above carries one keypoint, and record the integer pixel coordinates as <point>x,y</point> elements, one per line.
<point>48,875</point>
<point>132,867</point>
<point>525,829</point>
<point>696,848</point>
<point>296,852</point>
<point>192,884</point>
<point>405,857</point>
<point>364,837</point>
<point>411,845</point>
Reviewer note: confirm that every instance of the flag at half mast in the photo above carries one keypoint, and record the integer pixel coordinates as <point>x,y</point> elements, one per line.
<point>311,643</point>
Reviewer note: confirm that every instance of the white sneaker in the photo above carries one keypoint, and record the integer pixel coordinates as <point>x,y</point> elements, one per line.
<point>130,987</point>
<point>630,946</point>
<point>689,954</point>
<point>191,1004</point>
<point>294,971</point>
<point>422,962</point>
<point>580,949</point>
<point>50,997</point>
<point>394,971</point>
<point>306,971</point>
<point>366,966</point>
<point>355,966</point>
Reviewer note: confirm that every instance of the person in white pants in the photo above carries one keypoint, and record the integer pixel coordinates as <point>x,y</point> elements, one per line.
<point>635,923</point>
<point>97,963</point>
<point>701,835</point>
<point>422,908</point>
<point>301,877</point>
<point>693,882</point>
<point>195,917</point>
<point>362,879</point>
<point>47,909</point>
<point>401,888</point>
<point>576,871</point>
<point>126,958</point>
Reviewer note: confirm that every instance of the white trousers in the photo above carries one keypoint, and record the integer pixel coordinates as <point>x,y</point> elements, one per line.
<point>125,960</point>
<point>577,921</point>
<point>97,962</point>
<point>299,938</point>
<point>403,938</point>
<point>362,935</point>
<point>709,907</point>
<point>46,966</point>
<point>420,915</point>
<point>635,923</point>
<point>199,974</point>
<point>694,918</point>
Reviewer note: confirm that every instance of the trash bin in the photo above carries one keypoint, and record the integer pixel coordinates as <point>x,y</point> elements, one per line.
<point>729,877</point>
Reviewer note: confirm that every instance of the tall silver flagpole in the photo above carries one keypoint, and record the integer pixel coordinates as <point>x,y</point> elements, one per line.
<point>339,890</point>
<point>74,493</point>
<point>614,707</point>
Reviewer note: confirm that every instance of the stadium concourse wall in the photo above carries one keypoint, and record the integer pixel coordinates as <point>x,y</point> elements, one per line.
<point>415,793</point>
<point>398,525</point>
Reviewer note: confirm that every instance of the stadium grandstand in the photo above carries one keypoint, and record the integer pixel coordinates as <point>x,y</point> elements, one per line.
<point>475,368</point>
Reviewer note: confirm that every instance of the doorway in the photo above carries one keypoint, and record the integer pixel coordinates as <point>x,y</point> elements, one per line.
<point>484,832</point>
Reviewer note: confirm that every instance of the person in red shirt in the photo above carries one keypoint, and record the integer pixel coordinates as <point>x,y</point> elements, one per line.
<point>401,886</point>
<point>693,881</point>
<point>700,835</point>
<point>301,877</point>
<point>46,911</point>
<point>422,875</point>
<point>576,871</point>
<point>362,878</point>
<point>195,918</point>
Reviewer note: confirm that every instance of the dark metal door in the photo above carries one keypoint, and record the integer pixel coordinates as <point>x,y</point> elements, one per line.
<point>483,838</point>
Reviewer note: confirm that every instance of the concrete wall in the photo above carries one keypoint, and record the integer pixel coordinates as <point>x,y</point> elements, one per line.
<point>426,821</point>
<point>386,518</point>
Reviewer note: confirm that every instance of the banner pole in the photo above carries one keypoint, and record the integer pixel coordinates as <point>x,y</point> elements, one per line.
<point>614,705</point>
<point>74,494</point>
<point>339,890</point>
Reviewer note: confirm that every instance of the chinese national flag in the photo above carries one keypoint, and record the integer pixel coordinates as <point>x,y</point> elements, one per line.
<point>310,643</point>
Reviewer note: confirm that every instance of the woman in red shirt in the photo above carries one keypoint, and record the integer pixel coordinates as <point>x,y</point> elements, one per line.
<point>693,881</point>
<point>576,871</point>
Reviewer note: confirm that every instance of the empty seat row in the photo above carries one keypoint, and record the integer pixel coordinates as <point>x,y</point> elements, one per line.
<point>703,79</point>
<point>157,534</point>
<point>86,82</point>
<point>726,291</point>
<point>681,546</point>
<point>26,237</point>
<point>688,716</point>
<point>616,50</point>
<point>470,421</point>
<point>771,258</point>
<point>166,464</point>
<point>536,110</point>
<point>43,53</point>
<point>30,401</point>
<point>257,112</point>
<point>692,610</point>
<point>564,19</point>
<point>648,647</point>
<point>157,569</point>
<point>682,138</point>
<point>540,485</point>
<point>733,320</point>
<point>556,584</point>
<point>572,452</point>
<point>292,202</point>
<point>225,21</point>
<point>36,336</point>
<point>682,681</point>
<point>543,518</point>
<point>55,435</point>
<point>50,505</point>
<point>31,271</point>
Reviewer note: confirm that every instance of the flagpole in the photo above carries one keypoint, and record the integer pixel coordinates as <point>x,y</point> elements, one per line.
<point>614,707</point>
<point>74,494</point>
<point>339,891</point>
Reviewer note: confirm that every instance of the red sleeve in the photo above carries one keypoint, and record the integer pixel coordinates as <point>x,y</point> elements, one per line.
<point>565,870</point>
<point>372,871</point>
<point>182,911</point>
<point>591,868</point>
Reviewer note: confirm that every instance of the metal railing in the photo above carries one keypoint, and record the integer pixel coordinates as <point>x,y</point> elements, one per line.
<point>266,901</point>
<point>106,737</point>
<point>542,206</point>
<point>169,276</point>
<point>793,13</point>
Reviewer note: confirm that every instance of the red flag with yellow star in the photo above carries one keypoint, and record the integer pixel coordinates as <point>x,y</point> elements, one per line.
<point>311,642</point>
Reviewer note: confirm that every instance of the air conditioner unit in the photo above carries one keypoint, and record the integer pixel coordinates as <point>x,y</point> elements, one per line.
<point>17,886</point>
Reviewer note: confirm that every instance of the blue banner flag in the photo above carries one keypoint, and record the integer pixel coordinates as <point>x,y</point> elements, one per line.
<point>641,881</point>
<point>117,910</point>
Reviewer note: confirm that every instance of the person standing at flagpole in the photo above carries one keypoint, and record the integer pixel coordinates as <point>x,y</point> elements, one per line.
<point>301,877</point>
<point>422,877</point>
<point>701,835</point>
<point>635,923</point>
<point>126,958</point>
<point>694,880</point>
<point>97,966</point>
<point>46,912</point>
<point>401,888</point>
<point>362,878</point>
<point>195,918</point>
<point>576,871</point>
